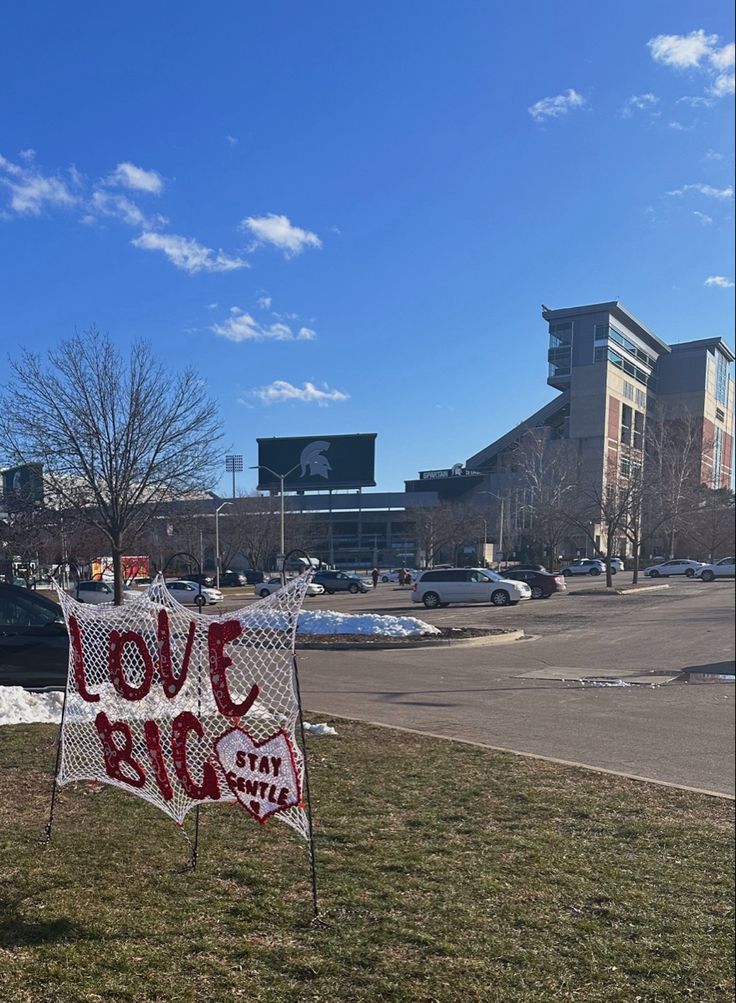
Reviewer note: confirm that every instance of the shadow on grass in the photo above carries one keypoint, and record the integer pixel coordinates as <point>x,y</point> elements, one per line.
<point>16,931</point>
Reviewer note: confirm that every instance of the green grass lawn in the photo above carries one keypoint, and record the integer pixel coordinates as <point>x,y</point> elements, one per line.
<point>447,873</point>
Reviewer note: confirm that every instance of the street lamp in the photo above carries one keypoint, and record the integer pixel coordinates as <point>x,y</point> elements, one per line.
<point>500,521</point>
<point>282,478</point>
<point>217,542</point>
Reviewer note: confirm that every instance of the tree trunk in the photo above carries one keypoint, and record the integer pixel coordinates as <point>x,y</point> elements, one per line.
<point>117,570</point>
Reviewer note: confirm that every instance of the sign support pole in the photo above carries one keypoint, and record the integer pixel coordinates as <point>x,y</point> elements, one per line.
<point>310,828</point>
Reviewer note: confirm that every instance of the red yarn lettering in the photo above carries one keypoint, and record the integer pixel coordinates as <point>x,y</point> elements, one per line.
<point>171,681</point>
<point>116,648</point>
<point>75,634</point>
<point>218,635</point>
<point>209,788</point>
<point>155,754</point>
<point>117,756</point>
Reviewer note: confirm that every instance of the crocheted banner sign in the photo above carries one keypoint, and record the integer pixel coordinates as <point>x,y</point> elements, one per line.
<point>184,708</point>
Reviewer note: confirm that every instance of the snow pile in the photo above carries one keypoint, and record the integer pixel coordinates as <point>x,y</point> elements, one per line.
<point>325,621</point>
<point>319,729</point>
<point>18,706</point>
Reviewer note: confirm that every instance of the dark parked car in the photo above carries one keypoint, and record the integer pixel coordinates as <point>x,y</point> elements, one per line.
<point>207,580</point>
<point>34,645</point>
<point>232,579</point>
<point>529,567</point>
<point>542,583</point>
<point>339,581</point>
<point>254,577</point>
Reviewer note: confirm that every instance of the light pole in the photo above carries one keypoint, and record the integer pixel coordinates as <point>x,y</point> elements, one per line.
<point>282,478</point>
<point>233,465</point>
<point>217,542</point>
<point>500,520</point>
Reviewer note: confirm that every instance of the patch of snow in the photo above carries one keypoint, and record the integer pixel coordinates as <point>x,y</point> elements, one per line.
<point>18,706</point>
<point>319,729</point>
<point>325,621</point>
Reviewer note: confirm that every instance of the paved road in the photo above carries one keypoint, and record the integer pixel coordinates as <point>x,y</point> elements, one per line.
<point>679,733</point>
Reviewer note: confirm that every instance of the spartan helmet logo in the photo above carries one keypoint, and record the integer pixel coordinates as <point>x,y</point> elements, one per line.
<point>313,462</point>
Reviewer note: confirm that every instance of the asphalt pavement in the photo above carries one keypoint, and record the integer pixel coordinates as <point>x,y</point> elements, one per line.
<point>514,696</point>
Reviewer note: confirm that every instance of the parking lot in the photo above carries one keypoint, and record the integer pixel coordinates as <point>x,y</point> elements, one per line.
<point>528,696</point>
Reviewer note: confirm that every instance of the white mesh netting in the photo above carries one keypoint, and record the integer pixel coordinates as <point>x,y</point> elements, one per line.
<point>150,685</point>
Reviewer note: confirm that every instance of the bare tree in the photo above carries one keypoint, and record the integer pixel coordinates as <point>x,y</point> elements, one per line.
<point>709,529</point>
<point>443,529</point>
<point>117,437</point>
<point>609,504</point>
<point>549,472</point>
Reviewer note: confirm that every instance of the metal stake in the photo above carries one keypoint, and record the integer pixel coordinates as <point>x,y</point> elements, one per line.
<point>310,830</point>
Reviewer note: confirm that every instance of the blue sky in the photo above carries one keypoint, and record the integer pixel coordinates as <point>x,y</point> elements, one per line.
<point>347,216</point>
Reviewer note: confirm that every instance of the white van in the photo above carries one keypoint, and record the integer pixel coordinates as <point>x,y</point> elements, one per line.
<point>443,586</point>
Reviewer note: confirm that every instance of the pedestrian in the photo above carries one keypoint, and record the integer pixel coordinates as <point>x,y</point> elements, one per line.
<point>402,576</point>
<point>374,576</point>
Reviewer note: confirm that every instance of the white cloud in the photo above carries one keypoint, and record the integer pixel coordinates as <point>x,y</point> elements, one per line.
<point>188,255</point>
<point>698,51</point>
<point>682,51</point>
<point>713,155</point>
<point>232,140</point>
<point>703,218</point>
<point>127,175</point>
<point>708,190</point>
<point>639,102</point>
<point>695,102</point>
<point>264,302</point>
<point>120,207</point>
<point>241,326</point>
<point>677,126</point>
<point>212,306</point>
<point>554,107</point>
<point>720,281</point>
<point>278,230</point>
<point>31,191</point>
<point>280,391</point>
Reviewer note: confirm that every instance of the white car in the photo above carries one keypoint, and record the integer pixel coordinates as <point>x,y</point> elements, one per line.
<point>679,567</point>
<point>264,589</point>
<point>725,568</point>
<point>442,586</point>
<point>616,564</point>
<point>393,576</point>
<point>97,592</point>
<point>188,594</point>
<point>585,566</point>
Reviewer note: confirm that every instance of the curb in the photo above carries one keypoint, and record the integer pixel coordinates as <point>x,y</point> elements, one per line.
<point>533,755</point>
<point>618,592</point>
<point>430,642</point>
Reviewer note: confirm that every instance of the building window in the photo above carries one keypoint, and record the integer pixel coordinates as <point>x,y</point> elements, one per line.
<point>641,399</point>
<point>719,414</point>
<point>625,466</point>
<point>603,354</point>
<point>559,355</point>
<point>638,430</point>
<point>629,391</point>
<point>721,379</point>
<point>717,457</point>
<point>626,424</point>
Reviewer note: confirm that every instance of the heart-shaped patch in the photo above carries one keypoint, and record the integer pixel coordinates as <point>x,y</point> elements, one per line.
<point>263,775</point>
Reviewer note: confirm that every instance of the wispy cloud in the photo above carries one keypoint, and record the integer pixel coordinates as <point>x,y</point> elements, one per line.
<point>120,207</point>
<point>712,155</point>
<point>694,101</point>
<point>555,107</point>
<point>264,301</point>
<point>677,126</point>
<point>703,218</point>
<point>187,254</point>
<point>278,231</point>
<point>639,102</point>
<point>708,190</point>
<point>280,391</point>
<point>127,175</point>
<point>31,191</point>
<point>719,281</point>
<point>232,140</point>
<point>241,326</point>
<point>701,51</point>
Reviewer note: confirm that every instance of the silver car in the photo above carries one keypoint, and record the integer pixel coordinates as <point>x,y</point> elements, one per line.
<point>678,567</point>
<point>442,586</point>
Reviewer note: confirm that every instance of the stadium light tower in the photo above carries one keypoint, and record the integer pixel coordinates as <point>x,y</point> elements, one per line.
<point>233,465</point>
